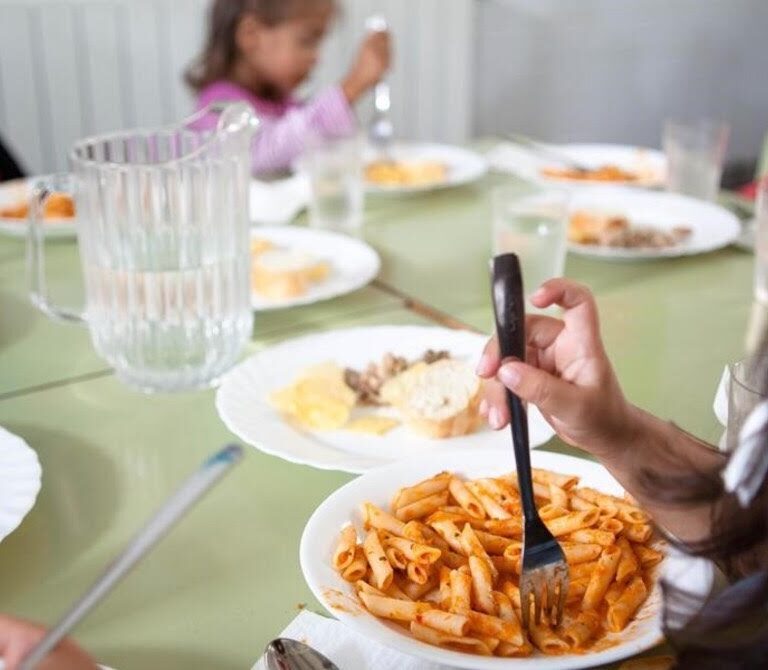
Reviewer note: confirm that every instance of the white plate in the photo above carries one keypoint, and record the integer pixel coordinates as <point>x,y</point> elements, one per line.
<point>13,192</point>
<point>649,163</point>
<point>19,481</point>
<point>243,405</point>
<point>353,263</point>
<point>321,534</point>
<point>464,166</point>
<point>712,226</point>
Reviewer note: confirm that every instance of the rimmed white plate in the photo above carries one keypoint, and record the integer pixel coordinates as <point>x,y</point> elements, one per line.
<point>242,399</point>
<point>712,226</point>
<point>648,164</point>
<point>353,263</point>
<point>464,166</point>
<point>321,535</point>
<point>20,475</point>
<point>18,190</point>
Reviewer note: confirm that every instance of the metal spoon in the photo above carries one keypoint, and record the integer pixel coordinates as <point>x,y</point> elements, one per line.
<point>286,654</point>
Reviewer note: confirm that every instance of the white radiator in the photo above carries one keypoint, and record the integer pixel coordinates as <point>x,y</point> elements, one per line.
<point>70,68</point>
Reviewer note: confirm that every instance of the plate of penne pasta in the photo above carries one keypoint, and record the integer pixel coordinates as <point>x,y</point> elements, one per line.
<point>427,560</point>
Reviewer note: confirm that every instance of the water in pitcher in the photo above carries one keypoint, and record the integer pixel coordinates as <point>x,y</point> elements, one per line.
<point>160,313</point>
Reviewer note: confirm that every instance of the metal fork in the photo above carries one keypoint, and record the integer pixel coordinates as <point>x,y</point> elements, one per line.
<point>544,574</point>
<point>381,131</point>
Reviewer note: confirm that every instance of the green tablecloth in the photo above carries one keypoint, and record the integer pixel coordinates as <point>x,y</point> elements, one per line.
<point>227,580</point>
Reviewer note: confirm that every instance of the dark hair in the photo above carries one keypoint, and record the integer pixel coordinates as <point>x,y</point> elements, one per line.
<point>220,51</point>
<point>729,630</point>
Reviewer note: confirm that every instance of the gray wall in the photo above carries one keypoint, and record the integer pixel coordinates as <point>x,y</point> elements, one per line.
<point>612,70</point>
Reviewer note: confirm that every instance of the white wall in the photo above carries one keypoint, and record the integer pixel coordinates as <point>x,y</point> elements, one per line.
<point>612,70</point>
<point>69,68</point>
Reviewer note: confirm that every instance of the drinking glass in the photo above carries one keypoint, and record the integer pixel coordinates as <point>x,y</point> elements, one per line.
<point>335,168</point>
<point>532,224</point>
<point>695,151</point>
<point>745,391</point>
<point>163,237</point>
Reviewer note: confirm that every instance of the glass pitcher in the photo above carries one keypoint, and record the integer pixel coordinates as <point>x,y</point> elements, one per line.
<point>162,229</point>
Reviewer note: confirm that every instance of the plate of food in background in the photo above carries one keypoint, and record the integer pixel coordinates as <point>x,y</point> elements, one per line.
<point>298,266</point>
<point>449,529</point>
<point>625,224</point>
<point>58,212</point>
<point>358,398</point>
<point>604,164</point>
<point>417,167</point>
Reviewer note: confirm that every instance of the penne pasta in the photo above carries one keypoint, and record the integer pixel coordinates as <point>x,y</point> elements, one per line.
<point>492,506</point>
<point>413,551</point>
<point>373,517</point>
<point>558,497</point>
<point>576,552</point>
<point>572,521</point>
<point>648,556</point>
<point>601,577</point>
<point>450,534</point>
<point>593,536</point>
<point>638,532</point>
<point>345,549</point>
<point>565,482</point>
<point>472,546</point>
<point>505,527</point>
<point>546,639</point>
<point>444,562</point>
<point>494,544</point>
<point>428,487</point>
<point>445,622</point>
<point>482,585</point>
<point>582,629</point>
<point>417,572</point>
<point>357,568</point>
<point>395,557</point>
<point>611,525</point>
<point>377,560</point>
<point>625,606</point>
<point>436,638</point>
<point>423,507</point>
<point>454,560</point>
<point>551,511</point>
<point>628,566</point>
<point>492,626</point>
<point>391,608</point>
<point>466,500</point>
<point>461,591</point>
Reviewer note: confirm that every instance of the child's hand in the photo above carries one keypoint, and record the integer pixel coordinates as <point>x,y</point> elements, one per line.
<point>567,375</point>
<point>17,638</point>
<point>371,63</point>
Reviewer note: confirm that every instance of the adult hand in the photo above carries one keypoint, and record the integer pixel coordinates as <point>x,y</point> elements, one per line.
<point>567,374</point>
<point>18,637</point>
<point>371,63</point>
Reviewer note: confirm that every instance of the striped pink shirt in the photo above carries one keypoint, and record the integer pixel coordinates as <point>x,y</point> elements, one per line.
<point>285,126</point>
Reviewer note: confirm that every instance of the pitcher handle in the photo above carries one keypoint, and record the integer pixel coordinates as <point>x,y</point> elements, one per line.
<point>38,285</point>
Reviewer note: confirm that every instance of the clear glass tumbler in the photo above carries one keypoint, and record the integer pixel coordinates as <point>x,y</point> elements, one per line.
<point>531,223</point>
<point>746,389</point>
<point>695,151</point>
<point>163,236</point>
<point>335,168</point>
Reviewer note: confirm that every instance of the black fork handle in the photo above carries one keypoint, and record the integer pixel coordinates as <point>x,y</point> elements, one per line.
<point>509,311</point>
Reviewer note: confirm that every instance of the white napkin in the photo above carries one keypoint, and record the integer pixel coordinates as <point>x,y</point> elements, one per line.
<point>347,649</point>
<point>278,202</point>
